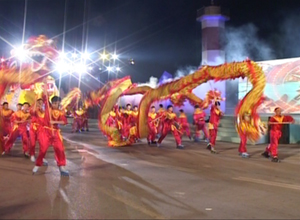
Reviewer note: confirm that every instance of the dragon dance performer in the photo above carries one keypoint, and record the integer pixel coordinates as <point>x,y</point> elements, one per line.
<point>119,119</point>
<point>199,122</point>
<point>77,120</point>
<point>183,121</point>
<point>170,123</point>
<point>7,119</point>
<point>49,134</point>
<point>214,120</point>
<point>160,112</point>
<point>275,133</point>
<point>126,122</point>
<point>133,128</point>
<point>111,120</point>
<point>20,119</point>
<point>134,115</point>
<point>244,124</point>
<point>152,124</point>
<point>85,120</point>
<point>37,117</point>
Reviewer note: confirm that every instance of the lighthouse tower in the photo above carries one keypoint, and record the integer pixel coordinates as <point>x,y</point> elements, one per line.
<point>213,20</point>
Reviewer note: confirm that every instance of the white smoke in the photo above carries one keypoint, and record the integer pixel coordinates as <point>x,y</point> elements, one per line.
<point>243,42</point>
<point>185,71</point>
<point>152,82</point>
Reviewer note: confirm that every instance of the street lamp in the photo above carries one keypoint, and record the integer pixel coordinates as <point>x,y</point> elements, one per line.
<point>85,56</point>
<point>21,53</point>
<point>103,56</point>
<point>114,56</point>
<point>74,55</point>
<point>109,68</point>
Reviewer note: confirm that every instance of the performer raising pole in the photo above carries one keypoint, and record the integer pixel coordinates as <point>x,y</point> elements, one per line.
<point>215,115</point>
<point>170,123</point>
<point>50,134</point>
<point>275,133</point>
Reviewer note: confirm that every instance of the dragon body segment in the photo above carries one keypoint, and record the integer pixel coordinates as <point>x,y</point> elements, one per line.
<point>178,91</point>
<point>227,71</point>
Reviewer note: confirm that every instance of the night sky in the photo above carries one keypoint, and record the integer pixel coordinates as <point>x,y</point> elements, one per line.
<point>160,35</point>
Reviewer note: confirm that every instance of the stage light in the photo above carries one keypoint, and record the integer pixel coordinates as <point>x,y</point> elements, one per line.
<point>100,68</point>
<point>62,55</point>
<point>90,68</point>
<point>2,60</point>
<point>85,55</point>
<point>74,55</point>
<point>114,56</point>
<point>21,53</point>
<point>62,67</point>
<point>80,68</point>
<point>109,68</point>
<point>103,56</point>
<point>118,69</point>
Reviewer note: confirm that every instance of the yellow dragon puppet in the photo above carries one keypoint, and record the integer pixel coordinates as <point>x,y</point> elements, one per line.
<point>178,91</point>
<point>30,72</point>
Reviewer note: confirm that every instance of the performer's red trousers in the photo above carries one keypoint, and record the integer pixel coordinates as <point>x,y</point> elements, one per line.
<point>125,130</point>
<point>46,138</point>
<point>199,128</point>
<point>6,127</point>
<point>242,148</point>
<point>152,133</point>
<point>185,128</point>
<point>213,136</point>
<point>274,139</point>
<point>33,135</point>
<point>166,130</point>
<point>85,124</point>
<point>160,127</point>
<point>20,131</point>
<point>76,126</point>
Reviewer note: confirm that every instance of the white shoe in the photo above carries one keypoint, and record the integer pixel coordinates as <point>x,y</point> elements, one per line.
<point>32,158</point>
<point>35,169</point>
<point>63,171</point>
<point>245,155</point>
<point>45,162</point>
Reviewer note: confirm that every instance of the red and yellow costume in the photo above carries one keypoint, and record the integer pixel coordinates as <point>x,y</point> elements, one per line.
<point>50,135</point>
<point>37,118</point>
<point>199,121</point>
<point>77,120</point>
<point>134,117</point>
<point>275,132</point>
<point>7,121</point>
<point>119,119</point>
<point>19,129</point>
<point>160,113</point>
<point>215,115</point>
<point>169,120</point>
<point>85,120</point>
<point>126,123</point>
<point>185,127</point>
<point>111,120</point>
<point>133,128</point>
<point>152,123</point>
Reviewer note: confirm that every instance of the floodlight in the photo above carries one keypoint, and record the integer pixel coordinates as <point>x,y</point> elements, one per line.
<point>115,56</point>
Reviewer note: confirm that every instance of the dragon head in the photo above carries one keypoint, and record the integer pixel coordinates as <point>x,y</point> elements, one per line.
<point>40,52</point>
<point>214,95</point>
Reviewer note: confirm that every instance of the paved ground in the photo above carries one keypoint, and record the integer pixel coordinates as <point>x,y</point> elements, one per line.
<point>142,182</point>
